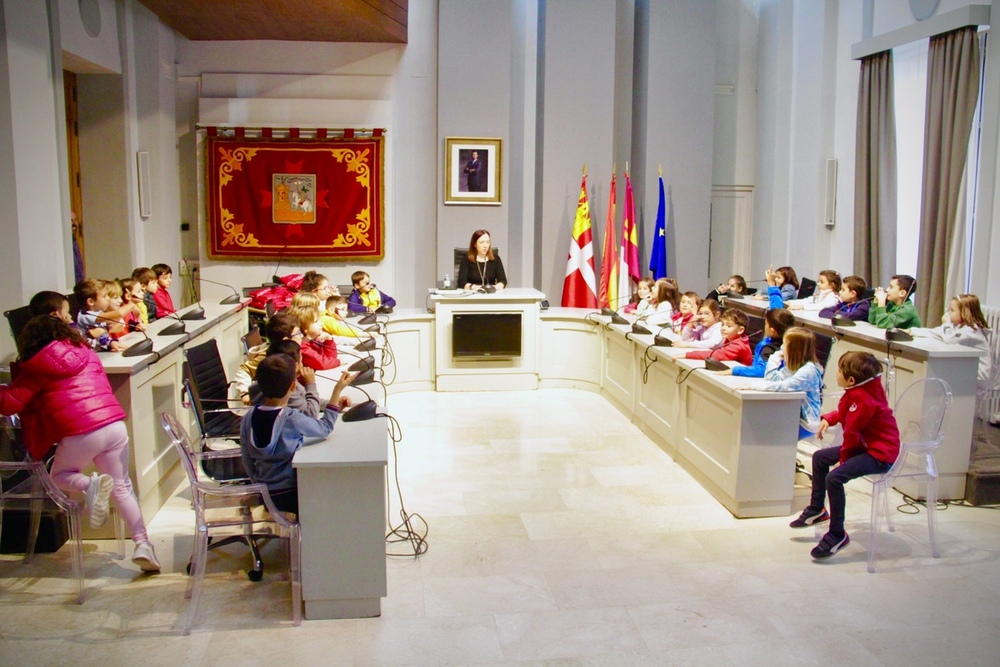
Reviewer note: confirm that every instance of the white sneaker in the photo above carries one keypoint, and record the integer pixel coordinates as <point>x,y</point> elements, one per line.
<point>96,497</point>
<point>145,557</point>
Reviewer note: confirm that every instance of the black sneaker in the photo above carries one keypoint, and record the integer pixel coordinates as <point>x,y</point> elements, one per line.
<point>829,545</point>
<point>810,517</point>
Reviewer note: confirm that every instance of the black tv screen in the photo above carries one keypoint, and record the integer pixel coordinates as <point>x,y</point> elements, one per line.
<point>479,335</point>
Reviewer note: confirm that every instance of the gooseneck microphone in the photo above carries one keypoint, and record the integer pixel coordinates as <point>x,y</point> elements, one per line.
<point>234,298</point>
<point>139,349</point>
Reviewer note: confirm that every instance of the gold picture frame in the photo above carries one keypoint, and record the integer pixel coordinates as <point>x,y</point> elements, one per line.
<point>473,170</point>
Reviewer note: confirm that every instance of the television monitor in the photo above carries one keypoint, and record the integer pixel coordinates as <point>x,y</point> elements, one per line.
<point>485,335</point>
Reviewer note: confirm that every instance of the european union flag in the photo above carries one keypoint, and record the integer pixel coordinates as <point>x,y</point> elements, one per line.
<point>658,256</point>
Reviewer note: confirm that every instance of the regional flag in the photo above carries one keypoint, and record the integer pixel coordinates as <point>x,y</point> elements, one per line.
<point>658,255</point>
<point>629,272</point>
<point>578,288</point>
<point>609,257</point>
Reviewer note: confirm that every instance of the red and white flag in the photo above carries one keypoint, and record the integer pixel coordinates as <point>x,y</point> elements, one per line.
<point>579,288</point>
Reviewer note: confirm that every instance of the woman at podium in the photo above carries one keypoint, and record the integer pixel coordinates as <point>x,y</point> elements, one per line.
<point>481,268</point>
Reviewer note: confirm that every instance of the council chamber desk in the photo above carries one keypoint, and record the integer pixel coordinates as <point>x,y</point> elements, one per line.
<point>150,384</point>
<point>910,361</point>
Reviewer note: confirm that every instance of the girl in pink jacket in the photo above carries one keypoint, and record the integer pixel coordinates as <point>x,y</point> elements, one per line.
<point>63,397</point>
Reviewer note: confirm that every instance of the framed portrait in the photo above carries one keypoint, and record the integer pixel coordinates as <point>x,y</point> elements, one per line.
<point>472,171</point>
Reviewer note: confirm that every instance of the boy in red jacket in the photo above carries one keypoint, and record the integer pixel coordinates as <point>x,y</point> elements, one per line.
<point>735,345</point>
<point>870,446</point>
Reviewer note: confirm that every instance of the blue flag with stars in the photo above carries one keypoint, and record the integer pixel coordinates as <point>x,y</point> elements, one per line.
<point>658,255</point>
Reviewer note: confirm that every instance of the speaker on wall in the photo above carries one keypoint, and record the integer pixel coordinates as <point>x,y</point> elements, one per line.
<point>830,199</point>
<point>142,174</point>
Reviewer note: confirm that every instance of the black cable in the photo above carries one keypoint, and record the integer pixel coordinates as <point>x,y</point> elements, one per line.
<point>404,531</point>
<point>683,375</point>
<point>647,362</point>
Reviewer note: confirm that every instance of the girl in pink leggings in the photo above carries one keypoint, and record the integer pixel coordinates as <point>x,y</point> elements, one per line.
<point>63,397</point>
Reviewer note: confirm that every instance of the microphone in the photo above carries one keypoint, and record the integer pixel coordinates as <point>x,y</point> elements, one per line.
<point>275,278</point>
<point>362,364</point>
<point>139,349</point>
<point>177,328</point>
<point>370,343</point>
<point>234,298</point>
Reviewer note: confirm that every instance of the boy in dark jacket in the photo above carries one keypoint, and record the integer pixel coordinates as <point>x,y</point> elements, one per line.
<point>851,305</point>
<point>870,446</point>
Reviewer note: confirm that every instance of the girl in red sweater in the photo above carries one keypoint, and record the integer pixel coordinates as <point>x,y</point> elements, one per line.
<point>64,398</point>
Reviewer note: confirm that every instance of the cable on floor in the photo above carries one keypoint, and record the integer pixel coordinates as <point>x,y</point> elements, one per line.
<point>413,528</point>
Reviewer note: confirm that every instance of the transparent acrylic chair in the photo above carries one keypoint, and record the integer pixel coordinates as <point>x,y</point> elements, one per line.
<point>920,414</point>
<point>31,494</point>
<point>228,503</point>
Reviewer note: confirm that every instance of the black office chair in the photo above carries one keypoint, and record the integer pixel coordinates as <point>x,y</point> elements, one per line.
<point>807,288</point>
<point>17,318</point>
<point>251,339</point>
<point>207,392</point>
<point>462,252</point>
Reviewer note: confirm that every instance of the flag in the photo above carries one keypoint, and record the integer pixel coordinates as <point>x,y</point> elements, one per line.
<point>578,288</point>
<point>658,254</point>
<point>609,257</point>
<point>629,272</point>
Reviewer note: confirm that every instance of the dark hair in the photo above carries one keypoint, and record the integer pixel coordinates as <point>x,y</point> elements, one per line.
<point>275,375</point>
<point>161,269</point>
<point>779,319</point>
<point>787,274</point>
<point>46,303</point>
<point>280,326</point>
<point>859,365</point>
<point>143,275</point>
<point>357,276</point>
<point>473,251</point>
<point>736,317</point>
<point>311,281</point>
<point>42,330</point>
<point>741,282</point>
<point>287,347</point>
<point>832,277</point>
<point>856,284</point>
<point>906,283</point>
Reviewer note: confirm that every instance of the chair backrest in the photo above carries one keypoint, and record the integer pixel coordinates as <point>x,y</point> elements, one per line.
<point>205,380</point>
<point>17,318</point>
<point>921,410</point>
<point>462,252</point>
<point>251,339</point>
<point>269,309</point>
<point>182,443</point>
<point>807,287</point>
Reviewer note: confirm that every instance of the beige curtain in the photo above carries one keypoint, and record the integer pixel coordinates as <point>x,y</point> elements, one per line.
<point>952,91</point>
<point>875,172</point>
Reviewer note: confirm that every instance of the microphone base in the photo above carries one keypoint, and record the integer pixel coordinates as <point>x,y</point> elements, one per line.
<point>196,314</point>
<point>175,329</point>
<point>367,346</point>
<point>230,300</point>
<point>140,349</point>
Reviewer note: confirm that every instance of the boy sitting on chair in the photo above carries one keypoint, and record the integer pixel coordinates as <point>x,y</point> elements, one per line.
<point>271,433</point>
<point>870,447</point>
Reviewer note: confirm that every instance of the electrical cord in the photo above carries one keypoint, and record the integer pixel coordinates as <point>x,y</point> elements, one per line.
<point>407,530</point>
<point>647,362</point>
<point>685,374</point>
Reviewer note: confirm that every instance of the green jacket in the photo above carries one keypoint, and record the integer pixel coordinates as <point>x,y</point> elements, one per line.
<point>901,317</point>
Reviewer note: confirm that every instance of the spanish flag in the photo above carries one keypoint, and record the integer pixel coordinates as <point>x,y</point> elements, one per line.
<point>578,288</point>
<point>609,257</point>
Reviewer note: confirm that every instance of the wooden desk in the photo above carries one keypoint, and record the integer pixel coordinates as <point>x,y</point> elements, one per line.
<point>342,513</point>
<point>922,358</point>
<point>148,385</point>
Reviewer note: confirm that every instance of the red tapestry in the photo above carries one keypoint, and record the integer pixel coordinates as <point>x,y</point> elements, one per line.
<point>297,199</point>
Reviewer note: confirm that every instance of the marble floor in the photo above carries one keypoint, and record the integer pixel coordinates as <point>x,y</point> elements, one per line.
<point>558,535</point>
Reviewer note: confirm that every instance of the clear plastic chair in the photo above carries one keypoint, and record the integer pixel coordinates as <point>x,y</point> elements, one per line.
<point>920,414</point>
<point>209,495</point>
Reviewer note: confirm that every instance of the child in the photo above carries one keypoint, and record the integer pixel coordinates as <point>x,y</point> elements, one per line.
<point>366,298</point>
<point>736,283</point>
<point>133,294</point>
<point>786,283</point>
<point>825,296</point>
<point>776,323</point>
<point>319,351</point>
<point>870,447</point>
<point>317,283</point>
<point>304,396</point>
<point>892,307</point>
<point>335,323</point>
<point>642,304</point>
<point>164,277</point>
<point>271,433</point>
<point>965,324</point>
<point>735,345</point>
<point>851,304</point>
<point>666,300</point>
<point>280,327</point>
<point>147,280</point>
<point>705,331</point>
<point>688,311</point>
<point>92,295</point>
<point>795,368</point>
<point>63,396</point>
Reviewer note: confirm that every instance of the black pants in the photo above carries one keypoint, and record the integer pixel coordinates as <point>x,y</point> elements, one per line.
<point>286,500</point>
<point>826,483</point>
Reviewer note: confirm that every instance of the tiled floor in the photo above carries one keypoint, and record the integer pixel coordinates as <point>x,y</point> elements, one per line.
<point>558,535</point>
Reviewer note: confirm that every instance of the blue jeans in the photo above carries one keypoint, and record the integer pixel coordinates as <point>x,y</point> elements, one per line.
<point>831,484</point>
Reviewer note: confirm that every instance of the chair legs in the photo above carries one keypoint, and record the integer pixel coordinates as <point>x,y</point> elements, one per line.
<point>880,509</point>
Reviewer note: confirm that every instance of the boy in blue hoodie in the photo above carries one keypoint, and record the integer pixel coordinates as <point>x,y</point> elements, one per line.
<point>271,433</point>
